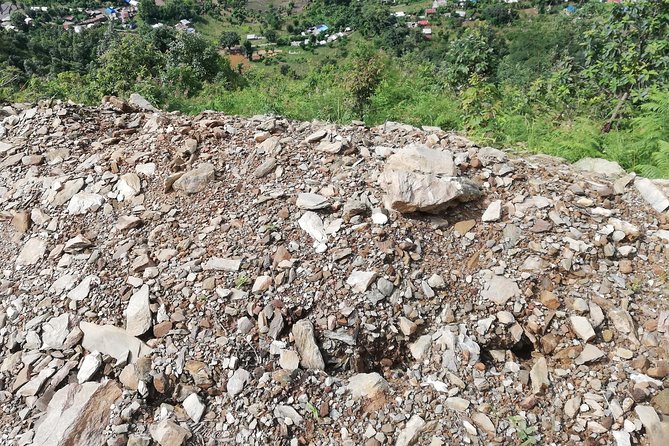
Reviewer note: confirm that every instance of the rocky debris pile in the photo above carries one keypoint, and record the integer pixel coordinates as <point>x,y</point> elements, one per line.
<point>175,280</point>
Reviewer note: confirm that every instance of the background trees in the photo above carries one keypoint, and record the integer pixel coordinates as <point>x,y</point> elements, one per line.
<point>229,39</point>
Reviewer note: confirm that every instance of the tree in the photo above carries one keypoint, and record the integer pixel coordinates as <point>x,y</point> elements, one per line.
<point>229,39</point>
<point>475,52</point>
<point>499,14</point>
<point>627,52</point>
<point>271,35</point>
<point>363,77</point>
<point>18,20</point>
<point>125,63</point>
<point>148,11</point>
<point>193,51</point>
<point>248,48</point>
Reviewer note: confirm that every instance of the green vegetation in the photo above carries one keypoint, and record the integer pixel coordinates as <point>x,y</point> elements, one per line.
<point>591,82</point>
<point>242,280</point>
<point>526,434</point>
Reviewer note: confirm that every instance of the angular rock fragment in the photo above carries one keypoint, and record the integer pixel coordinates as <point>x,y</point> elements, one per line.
<point>113,341</point>
<point>77,414</point>
<point>652,194</point>
<point>367,385</point>
<point>408,192</point>
<point>32,252</point>
<point>418,158</point>
<point>83,202</point>
<point>168,433</point>
<point>195,180</point>
<point>409,435</point>
<point>138,313</point>
<point>311,202</point>
<point>305,343</point>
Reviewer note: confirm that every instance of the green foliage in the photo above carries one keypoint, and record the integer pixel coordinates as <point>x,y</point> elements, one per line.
<point>627,51</point>
<point>526,434</point>
<point>127,62</point>
<point>148,11</point>
<point>537,47</point>
<point>242,280</point>
<point>499,14</point>
<point>191,50</point>
<point>475,52</point>
<point>229,39</point>
<point>18,20</point>
<point>363,77</point>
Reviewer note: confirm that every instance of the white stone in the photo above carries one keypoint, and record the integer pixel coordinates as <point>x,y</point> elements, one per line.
<point>652,194</point>
<point>367,385</point>
<point>420,348</point>
<point>168,433</point>
<point>500,289</point>
<point>456,403</point>
<point>421,159</point>
<point>54,332</point>
<point>493,212</point>
<point>539,375</point>
<point>289,359</point>
<point>601,166</point>
<point>221,264</point>
<point>411,431</point>
<point>138,313</point>
<point>582,328</point>
<point>89,366</point>
<point>311,202</point>
<point>32,252</point>
<point>312,224</point>
<point>237,382</point>
<point>129,185</point>
<point>112,341</point>
<point>83,202</point>
<point>359,281</point>
<point>194,407</point>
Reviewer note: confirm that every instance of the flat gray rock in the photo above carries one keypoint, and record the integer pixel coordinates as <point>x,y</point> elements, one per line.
<point>418,158</point>
<point>600,166</point>
<point>70,414</point>
<point>311,202</point>
<point>138,313</point>
<point>112,341</point>
<point>305,343</point>
<point>652,194</point>
<point>409,192</point>
<point>195,180</point>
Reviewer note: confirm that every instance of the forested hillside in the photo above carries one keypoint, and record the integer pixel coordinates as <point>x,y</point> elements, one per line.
<point>574,80</point>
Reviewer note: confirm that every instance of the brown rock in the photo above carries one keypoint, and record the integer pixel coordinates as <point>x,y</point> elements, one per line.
<point>21,221</point>
<point>549,299</point>
<point>161,329</point>
<point>77,415</point>
<point>625,266</point>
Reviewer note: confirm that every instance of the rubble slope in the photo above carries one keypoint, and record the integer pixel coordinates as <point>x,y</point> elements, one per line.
<point>169,279</point>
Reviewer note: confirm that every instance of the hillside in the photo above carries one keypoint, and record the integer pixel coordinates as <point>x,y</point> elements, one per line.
<point>170,279</point>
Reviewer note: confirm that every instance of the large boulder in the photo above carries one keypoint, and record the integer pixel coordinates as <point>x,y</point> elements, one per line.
<point>140,102</point>
<point>422,159</point>
<point>600,166</point>
<point>415,192</point>
<point>652,194</point>
<point>195,180</point>
<point>77,414</point>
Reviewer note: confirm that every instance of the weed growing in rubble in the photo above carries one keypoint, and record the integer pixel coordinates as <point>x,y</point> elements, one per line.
<point>526,434</point>
<point>242,280</point>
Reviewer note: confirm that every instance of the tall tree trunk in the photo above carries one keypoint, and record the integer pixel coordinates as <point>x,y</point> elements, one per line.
<point>615,113</point>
